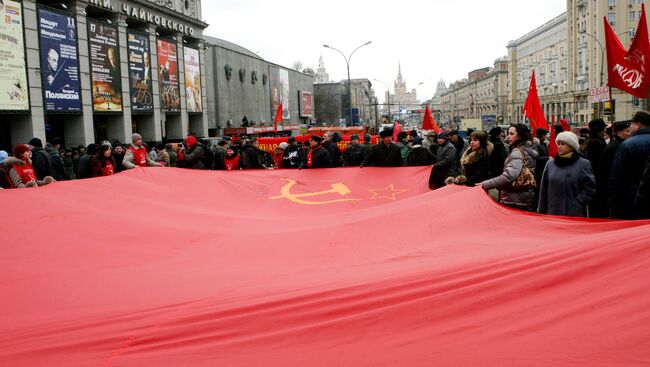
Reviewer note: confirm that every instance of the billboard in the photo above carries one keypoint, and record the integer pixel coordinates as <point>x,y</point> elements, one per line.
<point>306,104</point>
<point>192,79</point>
<point>59,63</point>
<point>14,92</point>
<point>105,75</point>
<point>139,72</point>
<point>279,81</point>
<point>168,75</point>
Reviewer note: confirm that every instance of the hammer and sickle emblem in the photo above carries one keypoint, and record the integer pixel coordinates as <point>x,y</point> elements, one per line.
<point>337,188</point>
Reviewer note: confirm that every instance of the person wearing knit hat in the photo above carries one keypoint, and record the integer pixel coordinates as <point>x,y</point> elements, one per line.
<point>568,184</point>
<point>278,154</point>
<point>136,155</point>
<point>194,153</point>
<point>22,174</point>
<point>569,139</point>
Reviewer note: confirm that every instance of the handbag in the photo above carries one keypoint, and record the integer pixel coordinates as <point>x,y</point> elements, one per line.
<point>526,179</point>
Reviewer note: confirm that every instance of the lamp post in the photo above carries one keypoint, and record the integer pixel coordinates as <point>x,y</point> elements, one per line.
<point>347,63</point>
<point>602,54</point>
<point>388,96</point>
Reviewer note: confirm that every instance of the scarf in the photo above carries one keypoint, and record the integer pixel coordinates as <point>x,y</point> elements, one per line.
<point>566,159</point>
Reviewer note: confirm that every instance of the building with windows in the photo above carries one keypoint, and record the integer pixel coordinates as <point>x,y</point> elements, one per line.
<point>402,99</point>
<point>91,70</point>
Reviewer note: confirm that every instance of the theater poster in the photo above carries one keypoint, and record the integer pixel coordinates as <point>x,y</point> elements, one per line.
<point>168,76</point>
<point>59,62</point>
<point>192,79</point>
<point>106,77</point>
<point>280,91</point>
<point>14,95</point>
<point>140,72</point>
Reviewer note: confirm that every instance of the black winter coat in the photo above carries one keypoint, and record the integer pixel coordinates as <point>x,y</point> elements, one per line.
<point>194,157</point>
<point>382,155</point>
<point>42,163</point>
<point>642,200</point>
<point>497,158</point>
<point>320,158</point>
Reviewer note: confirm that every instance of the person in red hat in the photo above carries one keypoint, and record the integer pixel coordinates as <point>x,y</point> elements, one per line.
<point>24,175</point>
<point>194,155</point>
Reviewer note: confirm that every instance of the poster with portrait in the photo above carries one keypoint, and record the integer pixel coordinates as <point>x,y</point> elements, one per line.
<point>279,82</point>
<point>306,104</point>
<point>139,72</point>
<point>14,92</point>
<point>59,63</point>
<point>105,75</point>
<point>168,76</point>
<point>192,79</point>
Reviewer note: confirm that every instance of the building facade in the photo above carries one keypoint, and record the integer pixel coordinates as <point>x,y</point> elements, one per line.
<point>101,69</point>
<point>246,90</point>
<point>483,95</point>
<point>331,103</point>
<point>402,99</point>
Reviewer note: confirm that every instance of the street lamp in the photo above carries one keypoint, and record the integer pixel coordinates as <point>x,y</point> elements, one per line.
<point>347,63</point>
<point>602,55</point>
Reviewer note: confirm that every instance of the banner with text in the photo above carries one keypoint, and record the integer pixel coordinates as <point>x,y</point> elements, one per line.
<point>59,62</point>
<point>105,67</point>
<point>14,92</point>
<point>139,72</point>
<point>192,79</point>
<point>168,76</point>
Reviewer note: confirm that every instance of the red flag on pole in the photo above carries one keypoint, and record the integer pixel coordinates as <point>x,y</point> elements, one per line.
<point>552,144</point>
<point>627,71</point>
<point>429,122</point>
<point>397,128</point>
<point>533,108</point>
<point>278,118</point>
<point>565,125</point>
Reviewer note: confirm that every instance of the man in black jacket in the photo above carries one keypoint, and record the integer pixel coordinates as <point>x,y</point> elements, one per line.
<point>385,153</point>
<point>41,160</point>
<point>621,131</point>
<point>318,157</point>
<point>594,153</point>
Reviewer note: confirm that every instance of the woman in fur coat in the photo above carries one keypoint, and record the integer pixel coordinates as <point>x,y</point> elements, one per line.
<point>475,161</point>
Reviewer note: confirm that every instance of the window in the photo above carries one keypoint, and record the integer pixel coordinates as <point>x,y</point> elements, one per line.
<point>611,17</point>
<point>632,16</point>
<point>611,2</point>
<point>631,2</point>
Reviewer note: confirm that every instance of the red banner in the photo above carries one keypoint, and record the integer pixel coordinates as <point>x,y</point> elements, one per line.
<point>628,70</point>
<point>269,144</point>
<point>316,267</point>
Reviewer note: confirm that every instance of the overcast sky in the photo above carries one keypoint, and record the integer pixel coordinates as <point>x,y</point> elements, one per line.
<point>432,39</point>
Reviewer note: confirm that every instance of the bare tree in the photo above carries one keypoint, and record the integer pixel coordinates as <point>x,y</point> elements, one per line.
<point>309,71</point>
<point>297,65</point>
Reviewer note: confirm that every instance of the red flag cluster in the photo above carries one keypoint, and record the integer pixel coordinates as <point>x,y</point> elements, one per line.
<point>627,70</point>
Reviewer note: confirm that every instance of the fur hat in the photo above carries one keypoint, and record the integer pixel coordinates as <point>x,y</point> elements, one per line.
<point>386,133</point>
<point>317,138</point>
<point>283,145</point>
<point>36,142</point>
<point>569,139</point>
<point>3,156</point>
<point>135,137</point>
<point>402,135</point>
<point>495,132</point>
<point>367,138</point>
<point>19,150</point>
<point>597,125</point>
<point>354,137</point>
<point>443,135</point>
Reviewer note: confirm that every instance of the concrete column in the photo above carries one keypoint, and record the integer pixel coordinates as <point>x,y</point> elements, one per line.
<point>204,90</point>
<point>181,81</point>
<point>158,115</point>
<point>25,127</point>
<point>123,128</point>
<point>80,129</point>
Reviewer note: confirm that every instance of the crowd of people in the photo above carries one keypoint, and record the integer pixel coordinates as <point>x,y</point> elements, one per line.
<point>603,172</point>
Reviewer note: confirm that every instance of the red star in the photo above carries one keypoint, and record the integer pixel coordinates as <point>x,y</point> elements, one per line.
<point>388,193</point>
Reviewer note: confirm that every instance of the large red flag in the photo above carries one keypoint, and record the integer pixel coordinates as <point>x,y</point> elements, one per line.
<point>333,267</point>
<point>627,71</point>
<point>429,122</point>
<point>278,118</point>
<point>565,124</point>
<point>533,108</point>
<point>397,128</point>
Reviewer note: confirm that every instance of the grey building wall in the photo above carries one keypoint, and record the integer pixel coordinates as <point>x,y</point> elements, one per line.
<point>234,98</point>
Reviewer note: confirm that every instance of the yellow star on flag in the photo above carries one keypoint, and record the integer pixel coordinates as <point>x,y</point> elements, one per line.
<point>388,193</point>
